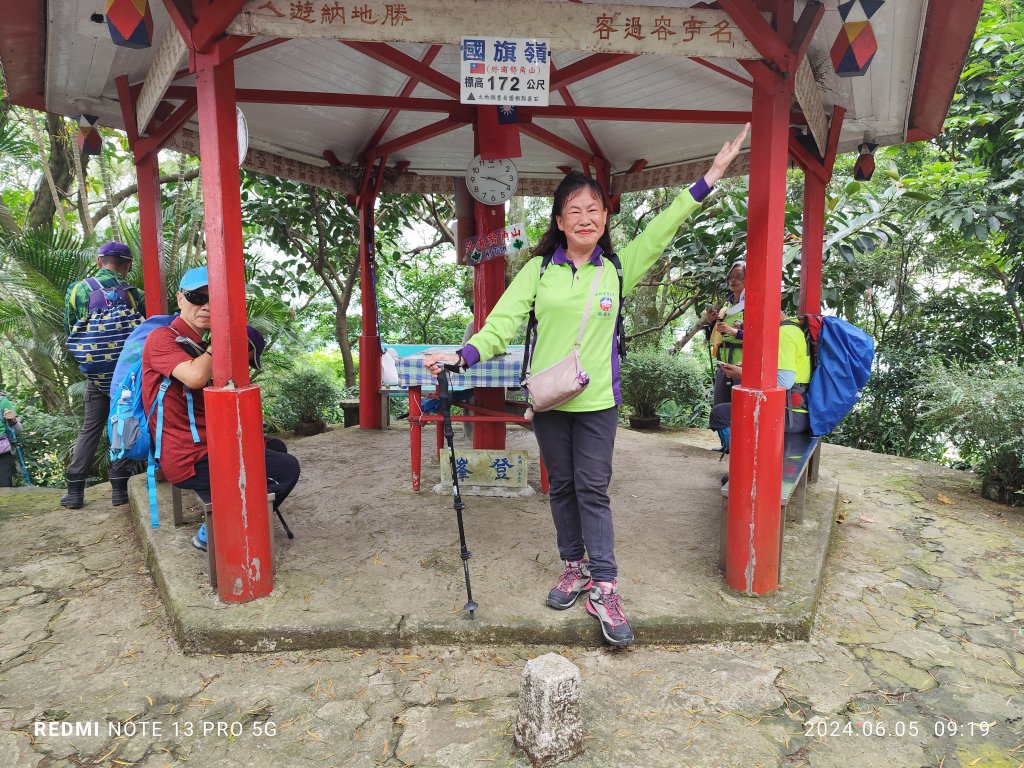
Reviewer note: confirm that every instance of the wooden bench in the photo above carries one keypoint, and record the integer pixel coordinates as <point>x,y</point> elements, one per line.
<point>207,503</point>
<point>801,454</point>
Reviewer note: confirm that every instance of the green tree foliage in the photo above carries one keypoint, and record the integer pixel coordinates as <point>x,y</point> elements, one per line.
<point>318,232</point>
<point>983,408</point>
<point>976,183</point>
<point>416,307</point>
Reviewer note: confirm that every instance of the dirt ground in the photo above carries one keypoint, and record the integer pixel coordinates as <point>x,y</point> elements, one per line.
<point>916,657</point>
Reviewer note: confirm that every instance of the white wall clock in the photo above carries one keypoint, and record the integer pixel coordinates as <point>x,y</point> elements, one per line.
<point>243,135</point>
<point>492,182</point>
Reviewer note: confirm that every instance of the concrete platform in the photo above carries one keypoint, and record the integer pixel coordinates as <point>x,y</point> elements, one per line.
<point>374,564</point>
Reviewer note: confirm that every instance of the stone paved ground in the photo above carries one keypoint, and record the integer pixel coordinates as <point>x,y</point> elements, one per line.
<point>920,634</point>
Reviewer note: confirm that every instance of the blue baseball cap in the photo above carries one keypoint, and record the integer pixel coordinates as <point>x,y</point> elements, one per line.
<point>114,248</point>
<point>194,278</point>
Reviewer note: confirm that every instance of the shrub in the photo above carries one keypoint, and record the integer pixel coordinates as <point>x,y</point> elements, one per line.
<point>46,442</point>
<point>652,376</point>
<point>982,412</point>
<point>302,395</point>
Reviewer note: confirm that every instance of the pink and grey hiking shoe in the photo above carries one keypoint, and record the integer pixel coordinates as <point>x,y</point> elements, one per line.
<point>605,604</point>
<point>575,580</point>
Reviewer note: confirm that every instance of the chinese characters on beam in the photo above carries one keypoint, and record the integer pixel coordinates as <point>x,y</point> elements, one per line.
<point>393,14</point>
<point>564,26</point>
<point>501,70</point>
<point>660,28</point>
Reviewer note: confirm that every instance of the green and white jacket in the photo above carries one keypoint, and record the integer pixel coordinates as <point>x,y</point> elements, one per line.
<point>560,299</point>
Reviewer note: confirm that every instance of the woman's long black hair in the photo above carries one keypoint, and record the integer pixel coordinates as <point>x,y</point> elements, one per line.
<point>571,185</point>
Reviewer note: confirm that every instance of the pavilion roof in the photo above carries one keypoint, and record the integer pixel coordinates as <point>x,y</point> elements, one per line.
<point>59,56</point>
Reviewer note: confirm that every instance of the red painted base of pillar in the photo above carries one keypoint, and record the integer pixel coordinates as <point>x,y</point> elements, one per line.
<point>241,524</point>
<point>755,490</point>
<point>369,383</point>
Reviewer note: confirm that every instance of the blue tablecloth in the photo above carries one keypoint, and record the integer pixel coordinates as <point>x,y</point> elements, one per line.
<point>499,371</point>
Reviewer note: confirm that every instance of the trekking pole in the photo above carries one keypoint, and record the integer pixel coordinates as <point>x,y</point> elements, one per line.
<point>21,457</point>
<point>444,392</point>
<point>711,357</point>
<point>24,468</point>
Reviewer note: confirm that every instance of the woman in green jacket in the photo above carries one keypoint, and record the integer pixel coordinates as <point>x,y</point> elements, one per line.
<point>8,438</point>
<point>576,439</point>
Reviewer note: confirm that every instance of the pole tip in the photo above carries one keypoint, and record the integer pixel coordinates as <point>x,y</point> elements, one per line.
<point>471,607</point>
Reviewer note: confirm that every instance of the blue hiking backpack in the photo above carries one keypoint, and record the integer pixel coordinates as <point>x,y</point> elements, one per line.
<point>96,340</point>
<point>128,422</point>
<point>841,357</point>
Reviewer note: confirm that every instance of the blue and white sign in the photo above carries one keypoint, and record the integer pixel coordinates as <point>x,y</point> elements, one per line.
<point>500,70</point>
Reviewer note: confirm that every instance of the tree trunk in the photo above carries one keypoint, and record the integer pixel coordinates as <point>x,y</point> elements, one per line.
<point>644,309</point>
<point>61,163</point>
<point>340,289</point>
<point>1011,299</point>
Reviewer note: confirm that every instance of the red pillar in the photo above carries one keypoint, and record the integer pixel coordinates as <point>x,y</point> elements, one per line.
<point>234,414</point>
<point>755,461</point>
<point>488,279</point>
<point>154,279</point>
<point>369,339</point>
<point>813,243</point>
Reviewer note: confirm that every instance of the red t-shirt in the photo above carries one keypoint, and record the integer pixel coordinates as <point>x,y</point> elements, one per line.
<point>161,355</point>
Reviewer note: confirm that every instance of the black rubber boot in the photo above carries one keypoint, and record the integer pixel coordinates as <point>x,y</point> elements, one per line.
<point>118,491</point>
<point>75,497</point>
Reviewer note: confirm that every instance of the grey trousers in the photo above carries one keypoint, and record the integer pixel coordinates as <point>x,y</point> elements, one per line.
<point>723,388</point>
<point>577,450</point>
<point>97,408</point>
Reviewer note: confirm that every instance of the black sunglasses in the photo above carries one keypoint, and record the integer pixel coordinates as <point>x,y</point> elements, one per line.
<point>196,297</point>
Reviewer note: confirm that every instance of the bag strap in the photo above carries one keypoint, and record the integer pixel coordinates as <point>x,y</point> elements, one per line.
<point>620,323</point>
<point>532,323</point>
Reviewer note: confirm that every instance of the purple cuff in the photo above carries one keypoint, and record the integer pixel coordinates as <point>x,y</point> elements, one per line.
<point>700,189</point>
<point>470,355</point>
<point>739,334</point>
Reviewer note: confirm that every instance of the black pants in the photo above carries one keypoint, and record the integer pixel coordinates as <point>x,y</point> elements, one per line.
<point>282,473</point>
<point>7,469</point>
<point>97,408</point>
<point>577,450</point>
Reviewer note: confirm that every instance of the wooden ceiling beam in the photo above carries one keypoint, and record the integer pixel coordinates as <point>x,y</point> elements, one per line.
<point>407,65</point>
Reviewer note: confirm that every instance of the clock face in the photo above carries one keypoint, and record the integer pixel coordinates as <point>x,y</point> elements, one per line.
<point>243,135</point>
<point>492,182</point>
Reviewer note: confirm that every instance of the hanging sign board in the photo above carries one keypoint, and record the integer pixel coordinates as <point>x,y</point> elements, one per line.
<point>504,70</point>
<point>500,242</point>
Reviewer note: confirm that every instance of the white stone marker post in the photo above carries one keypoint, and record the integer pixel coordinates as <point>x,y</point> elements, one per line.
<point>549,728</point>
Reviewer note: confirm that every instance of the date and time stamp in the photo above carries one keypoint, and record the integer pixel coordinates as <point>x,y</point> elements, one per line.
<point>824,728</point>
<point>818,728</point>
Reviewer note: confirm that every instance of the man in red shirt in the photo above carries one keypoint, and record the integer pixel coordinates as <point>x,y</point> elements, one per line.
<point>177,352</point>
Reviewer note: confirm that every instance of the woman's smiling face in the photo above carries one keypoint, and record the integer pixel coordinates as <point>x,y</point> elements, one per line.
<point>582,220</point>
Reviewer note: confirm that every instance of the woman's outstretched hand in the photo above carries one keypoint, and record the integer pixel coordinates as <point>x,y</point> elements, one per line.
<point>725,156</point>
<point>436,361</point>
